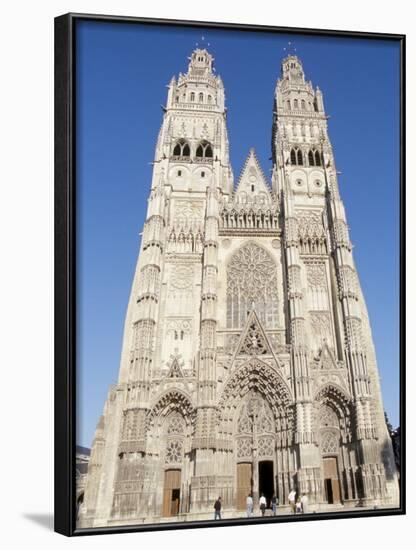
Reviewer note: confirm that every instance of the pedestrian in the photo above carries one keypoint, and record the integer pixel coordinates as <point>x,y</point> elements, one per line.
<point>217,508</point>
<point>249,504</point>
<point>292,500</point>
<point>275,502</point>
<point>263,504</point>
<point>305,501</point>
<point>298,506</point>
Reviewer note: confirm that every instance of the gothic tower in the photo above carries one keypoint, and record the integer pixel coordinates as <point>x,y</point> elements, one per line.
<point>247,363</point>
<point>340,428</point>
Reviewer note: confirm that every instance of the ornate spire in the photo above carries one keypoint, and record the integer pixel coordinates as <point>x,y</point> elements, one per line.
<point>200,63</point>
<point>292,69</point>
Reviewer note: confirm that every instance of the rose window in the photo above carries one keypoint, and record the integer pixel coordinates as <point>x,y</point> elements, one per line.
<point>174,452</point>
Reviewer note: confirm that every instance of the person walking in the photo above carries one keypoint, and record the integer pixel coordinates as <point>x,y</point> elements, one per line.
<point>217,508</point>
<point>263,504</point>
<point>249,505</point>
<point>298,506</point>
<point>292,500</point>
<point>275,503</point>
<point>305,503</point>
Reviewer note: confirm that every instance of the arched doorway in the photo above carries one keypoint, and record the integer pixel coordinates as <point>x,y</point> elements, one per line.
<point>256,378</point>
<point>338,457</point>
<point>255,450</point>
<point>169,457</point>
<point>174,437</point>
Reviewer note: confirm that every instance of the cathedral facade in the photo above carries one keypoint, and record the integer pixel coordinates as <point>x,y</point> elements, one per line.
<point>247,364</point>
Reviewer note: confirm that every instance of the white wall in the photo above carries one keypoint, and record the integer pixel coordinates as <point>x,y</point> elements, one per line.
<point>26,228</point>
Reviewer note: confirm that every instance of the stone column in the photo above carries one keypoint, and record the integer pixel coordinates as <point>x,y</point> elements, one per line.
<point>204,486</point>
<point>370,466</point>
<point>135,472</point>
<point>308,475</point>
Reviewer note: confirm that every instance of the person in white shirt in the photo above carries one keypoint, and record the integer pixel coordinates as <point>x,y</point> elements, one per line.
<point>304,502</point>
<point>292,500</point>
<point>263,504</point>
<point>249,503</point>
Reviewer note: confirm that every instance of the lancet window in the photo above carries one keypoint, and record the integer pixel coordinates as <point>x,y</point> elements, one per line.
<point>182,149</point>
<point>204,150</point>
<point>314,158</point>
<point>296,157</point>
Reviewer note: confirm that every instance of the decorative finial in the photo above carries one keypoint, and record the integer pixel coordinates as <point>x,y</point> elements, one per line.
<point>290,48</point>
<point>203,42</point>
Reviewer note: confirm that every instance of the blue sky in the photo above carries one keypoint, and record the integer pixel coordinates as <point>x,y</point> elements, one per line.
<point>122,73</point>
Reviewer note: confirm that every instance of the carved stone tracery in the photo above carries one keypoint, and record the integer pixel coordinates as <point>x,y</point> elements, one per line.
<point>251,284</point>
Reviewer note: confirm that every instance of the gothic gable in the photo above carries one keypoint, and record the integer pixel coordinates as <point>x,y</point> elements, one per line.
<point>252,183</point>
<point>253,339</point>
<point>175,370</point>
<point>175,366</point>
<point>326,359</point>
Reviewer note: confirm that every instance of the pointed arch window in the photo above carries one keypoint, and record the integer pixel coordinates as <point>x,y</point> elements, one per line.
<point>296,104</point>
<point>296,157</point>
<point>204,150</point>
<point>209,99</point>
<point>252,284</point>
<point>192,97</point>
<point>182,149</point>
<point>293,156</point>
<point>303,104</point>
<point>314,158</point>
<point>201,97</point>
<point>288,104</point>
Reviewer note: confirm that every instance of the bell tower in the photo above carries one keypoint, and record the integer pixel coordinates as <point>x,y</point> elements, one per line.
<point>192,148</point>
<point>328,326</point>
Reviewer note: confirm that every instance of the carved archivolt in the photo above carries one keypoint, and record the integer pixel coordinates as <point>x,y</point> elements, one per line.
<point>334,393</point>
<point>333,421</point>
<point>171,401</point>
<point>256,377</point>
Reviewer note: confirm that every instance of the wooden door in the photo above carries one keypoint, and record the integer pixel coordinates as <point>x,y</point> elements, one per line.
<point>244,480</point>
<point>171,493</point>
<point>331,480</point>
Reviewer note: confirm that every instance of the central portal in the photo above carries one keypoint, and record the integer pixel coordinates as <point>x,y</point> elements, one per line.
<point>266,480</point>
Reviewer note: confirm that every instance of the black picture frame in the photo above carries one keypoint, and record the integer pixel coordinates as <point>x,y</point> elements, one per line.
<point>65,270</point>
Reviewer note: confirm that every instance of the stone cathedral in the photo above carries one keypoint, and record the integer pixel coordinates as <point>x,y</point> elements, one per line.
<point>247,363</point>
